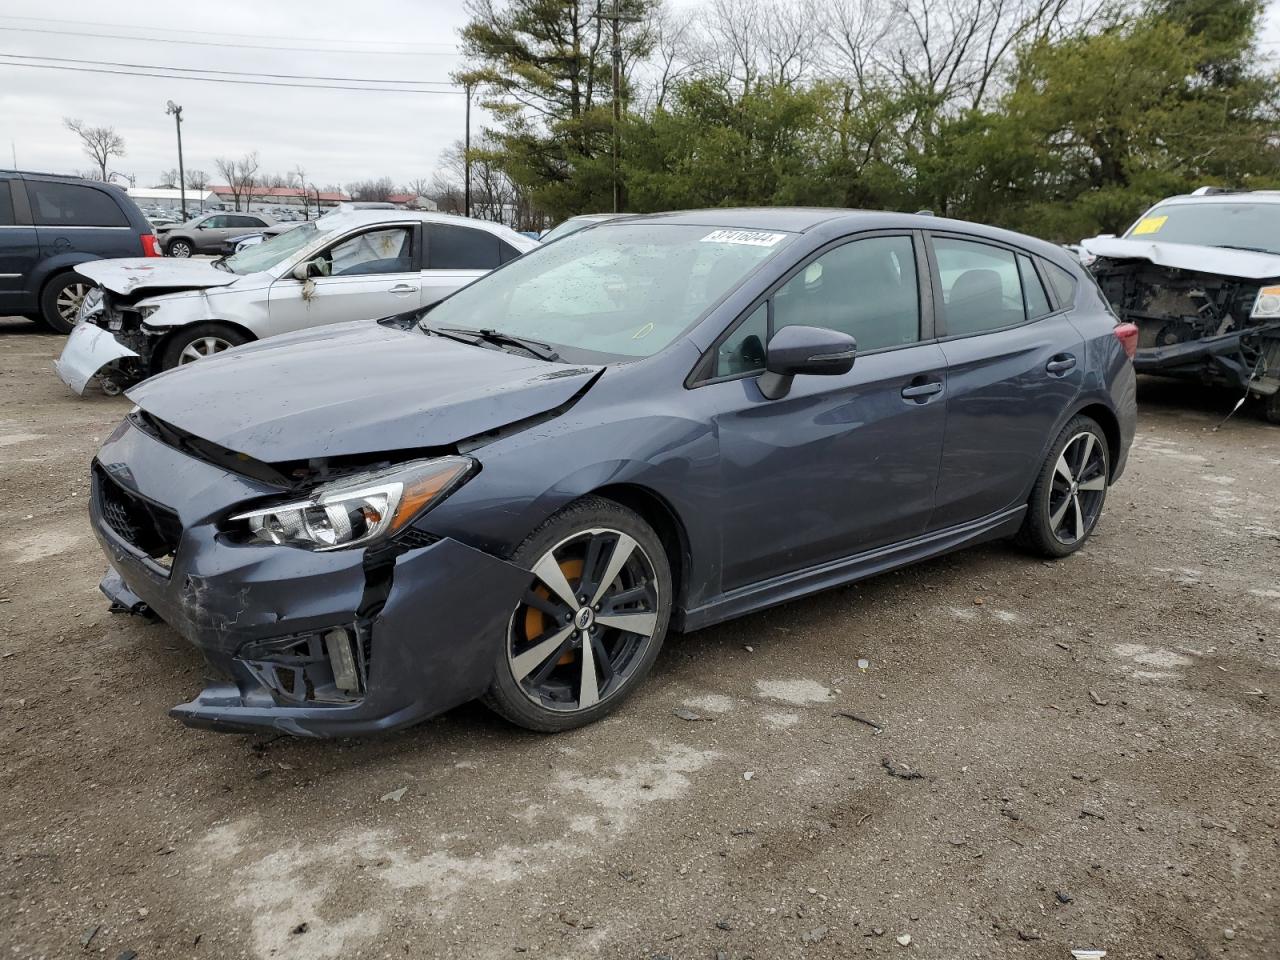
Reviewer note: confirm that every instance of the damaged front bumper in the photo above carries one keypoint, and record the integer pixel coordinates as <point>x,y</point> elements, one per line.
<point>89,349</point>
<point>1248,358</point>
<point>311,644</point>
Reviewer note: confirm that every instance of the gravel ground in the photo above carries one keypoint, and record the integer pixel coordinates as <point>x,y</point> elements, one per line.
<point>1096,738</point>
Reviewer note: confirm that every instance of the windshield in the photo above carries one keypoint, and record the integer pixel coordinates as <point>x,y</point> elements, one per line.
<point>265,255</point>
<point>1250,226</point>
<point>620,291</point>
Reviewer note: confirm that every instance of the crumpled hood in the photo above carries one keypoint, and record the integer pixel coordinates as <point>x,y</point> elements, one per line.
<point>1245,264</point>
<point>354,388</point>
<point>155,273</point>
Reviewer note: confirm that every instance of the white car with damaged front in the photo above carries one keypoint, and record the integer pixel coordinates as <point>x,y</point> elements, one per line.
<point>148,315</point>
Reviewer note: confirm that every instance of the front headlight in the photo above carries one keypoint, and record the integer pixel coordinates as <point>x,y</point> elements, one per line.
<point>360,510</point>
<point>1267,306</point>
<point>91,305</point>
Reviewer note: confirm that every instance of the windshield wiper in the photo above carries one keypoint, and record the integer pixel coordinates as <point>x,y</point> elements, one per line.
<point>221,264</point>
<point>1232,246</point>
<point>543,351</point>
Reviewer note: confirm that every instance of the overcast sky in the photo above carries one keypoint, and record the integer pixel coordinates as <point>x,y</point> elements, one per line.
<point>338,135</point>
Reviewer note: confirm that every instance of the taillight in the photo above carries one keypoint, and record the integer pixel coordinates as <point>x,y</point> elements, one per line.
<point>1127,334</point>
<point>150,245</point>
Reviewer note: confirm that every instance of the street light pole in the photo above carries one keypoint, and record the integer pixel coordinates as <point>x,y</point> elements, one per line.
<point>466,160</point>
<point>176,110</point>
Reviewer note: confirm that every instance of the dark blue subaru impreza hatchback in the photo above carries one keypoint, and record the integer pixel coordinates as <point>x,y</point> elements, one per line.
<point>657,423</point>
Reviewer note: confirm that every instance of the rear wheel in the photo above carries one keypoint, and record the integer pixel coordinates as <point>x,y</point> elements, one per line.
<point>197,342</point>
<point>1067,499</point>
<point>61,299</point>
<point>179,248</point>
<point>591,621</point>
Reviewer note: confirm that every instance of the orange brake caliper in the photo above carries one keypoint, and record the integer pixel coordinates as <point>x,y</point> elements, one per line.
<point>535,620</point>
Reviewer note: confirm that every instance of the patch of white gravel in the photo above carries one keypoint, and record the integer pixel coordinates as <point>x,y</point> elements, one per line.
<point>801,693</point>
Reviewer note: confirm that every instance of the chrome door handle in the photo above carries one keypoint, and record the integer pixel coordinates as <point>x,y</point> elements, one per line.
<point>403,288</point>
<point>1060,364</point>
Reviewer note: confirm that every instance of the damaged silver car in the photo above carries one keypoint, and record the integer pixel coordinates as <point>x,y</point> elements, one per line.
<point>1200,276</point>
<point>149,315</point>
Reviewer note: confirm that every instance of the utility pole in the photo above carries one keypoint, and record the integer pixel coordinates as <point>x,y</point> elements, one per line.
<point>616,20</point>
<point>466,159</point>
<point>176,110</point>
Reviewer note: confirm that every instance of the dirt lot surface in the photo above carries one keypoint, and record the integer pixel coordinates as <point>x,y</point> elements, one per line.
<point>1097,740</point>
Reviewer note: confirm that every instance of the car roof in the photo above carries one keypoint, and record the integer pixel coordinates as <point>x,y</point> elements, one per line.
<point>347,219</point>
<point>840,220</point>
<point>1224,196</point>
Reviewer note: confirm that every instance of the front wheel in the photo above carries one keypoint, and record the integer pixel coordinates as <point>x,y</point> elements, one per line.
<point>1272,408</point>
<point>197,342</point>
<point>591,621</point>
<point>179,248</point>
<point>1067,499</point>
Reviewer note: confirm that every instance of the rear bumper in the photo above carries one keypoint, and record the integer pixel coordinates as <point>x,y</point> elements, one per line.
<point>425,627</point>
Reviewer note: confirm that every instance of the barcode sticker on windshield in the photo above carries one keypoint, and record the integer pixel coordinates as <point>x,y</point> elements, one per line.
<point>752,238</point>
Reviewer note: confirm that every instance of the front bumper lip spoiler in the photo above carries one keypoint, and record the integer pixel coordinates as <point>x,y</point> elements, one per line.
<point>89,348</point>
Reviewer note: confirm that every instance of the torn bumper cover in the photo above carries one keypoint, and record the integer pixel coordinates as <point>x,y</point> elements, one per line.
<point>88,350</point>
<point>1228,353</point>
<point>311,644</point>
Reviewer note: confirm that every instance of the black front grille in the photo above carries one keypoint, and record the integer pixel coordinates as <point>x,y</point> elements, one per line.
<point>142,523</point>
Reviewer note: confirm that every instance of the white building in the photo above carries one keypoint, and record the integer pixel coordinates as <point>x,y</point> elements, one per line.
<point>171,199</point>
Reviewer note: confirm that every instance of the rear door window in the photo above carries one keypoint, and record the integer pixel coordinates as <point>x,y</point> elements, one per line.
<point>981,288</point>
<point>72,205</point>
<point>461,248</point>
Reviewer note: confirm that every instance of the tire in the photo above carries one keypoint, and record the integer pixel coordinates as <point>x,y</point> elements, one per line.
<point>1067,498</point>
<point>179,247</point>
<point>1271,409</point>
<point>60,301</point>
<point>539,678</point>
<point>198,341</point>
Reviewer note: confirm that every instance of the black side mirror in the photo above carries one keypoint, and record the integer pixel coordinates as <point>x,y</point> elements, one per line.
<point>805,350</point>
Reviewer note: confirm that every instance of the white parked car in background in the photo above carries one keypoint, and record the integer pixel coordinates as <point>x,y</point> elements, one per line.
<point>148,315</point>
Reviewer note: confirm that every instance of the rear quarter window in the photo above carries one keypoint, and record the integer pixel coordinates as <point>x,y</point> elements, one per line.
<point>1062,282</point>
<point>73,205</point>
<point>6,204</point>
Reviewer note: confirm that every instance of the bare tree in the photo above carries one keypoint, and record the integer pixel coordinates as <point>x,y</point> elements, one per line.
<point>241,176</point>
<point>379,189</point>
<point>418,186</point>
<point>249,176</point>
<point>197,180</point>
<point>299,176</point>
<point>100,144</point>
<point>168,179</point>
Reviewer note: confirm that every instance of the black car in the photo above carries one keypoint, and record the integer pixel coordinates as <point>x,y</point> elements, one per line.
<point>661,420</point>
<point>48,225</point>
<point>208,233</point>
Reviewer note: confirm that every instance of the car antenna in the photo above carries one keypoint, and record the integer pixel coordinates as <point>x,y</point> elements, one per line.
<point>924,213</point>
